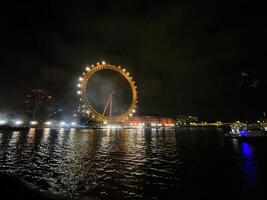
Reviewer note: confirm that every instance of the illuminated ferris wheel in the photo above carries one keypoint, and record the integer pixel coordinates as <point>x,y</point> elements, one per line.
<point>84,81</point>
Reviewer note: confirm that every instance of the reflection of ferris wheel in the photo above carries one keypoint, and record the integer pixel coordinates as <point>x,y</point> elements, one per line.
<point>83,83</point>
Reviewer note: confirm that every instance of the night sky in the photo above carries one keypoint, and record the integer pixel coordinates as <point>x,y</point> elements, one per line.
<point>204,58</point>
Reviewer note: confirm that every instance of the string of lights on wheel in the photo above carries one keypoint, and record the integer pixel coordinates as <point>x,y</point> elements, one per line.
<point>82,92</point>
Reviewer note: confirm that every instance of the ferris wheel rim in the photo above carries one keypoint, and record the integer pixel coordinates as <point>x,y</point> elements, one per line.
<point>83,82</point>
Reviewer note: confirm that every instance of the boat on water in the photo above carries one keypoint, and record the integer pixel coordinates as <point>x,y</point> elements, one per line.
<point>247,132</point>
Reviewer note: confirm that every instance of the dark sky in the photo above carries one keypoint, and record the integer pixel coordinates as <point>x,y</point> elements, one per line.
<point>187,57</point>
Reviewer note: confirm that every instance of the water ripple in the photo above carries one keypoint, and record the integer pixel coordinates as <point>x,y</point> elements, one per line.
<point>109,164</point>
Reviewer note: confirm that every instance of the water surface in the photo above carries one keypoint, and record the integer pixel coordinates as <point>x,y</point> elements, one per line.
<point>136,163</point>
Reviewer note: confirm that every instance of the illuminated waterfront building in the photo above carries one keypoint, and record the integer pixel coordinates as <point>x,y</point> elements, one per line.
<point>156,121</point>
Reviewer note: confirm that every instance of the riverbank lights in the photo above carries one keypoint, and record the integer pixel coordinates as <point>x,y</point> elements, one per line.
<point>62,123</point>
<point>18,122</point>
<point>73,123</point>
<point>48,123</point>
<point>33,122</point>
<point>3,122</point>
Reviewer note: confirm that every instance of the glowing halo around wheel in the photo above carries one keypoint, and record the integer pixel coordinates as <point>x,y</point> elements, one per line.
<point>82,85</point>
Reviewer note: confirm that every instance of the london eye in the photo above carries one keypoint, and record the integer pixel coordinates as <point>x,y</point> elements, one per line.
<point>107,114</point>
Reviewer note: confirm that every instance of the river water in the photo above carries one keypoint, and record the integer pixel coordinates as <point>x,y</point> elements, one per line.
<point>136,163</point>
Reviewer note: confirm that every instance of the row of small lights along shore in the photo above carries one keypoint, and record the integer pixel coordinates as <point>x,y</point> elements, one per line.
<point>19,122</point>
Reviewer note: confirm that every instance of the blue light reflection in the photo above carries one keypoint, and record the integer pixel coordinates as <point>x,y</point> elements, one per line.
<point>243,132</point>
<point>246,150</point>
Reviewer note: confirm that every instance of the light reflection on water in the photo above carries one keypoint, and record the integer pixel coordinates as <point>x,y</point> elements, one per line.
<point>121,164</point>
<point>249,162</point>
